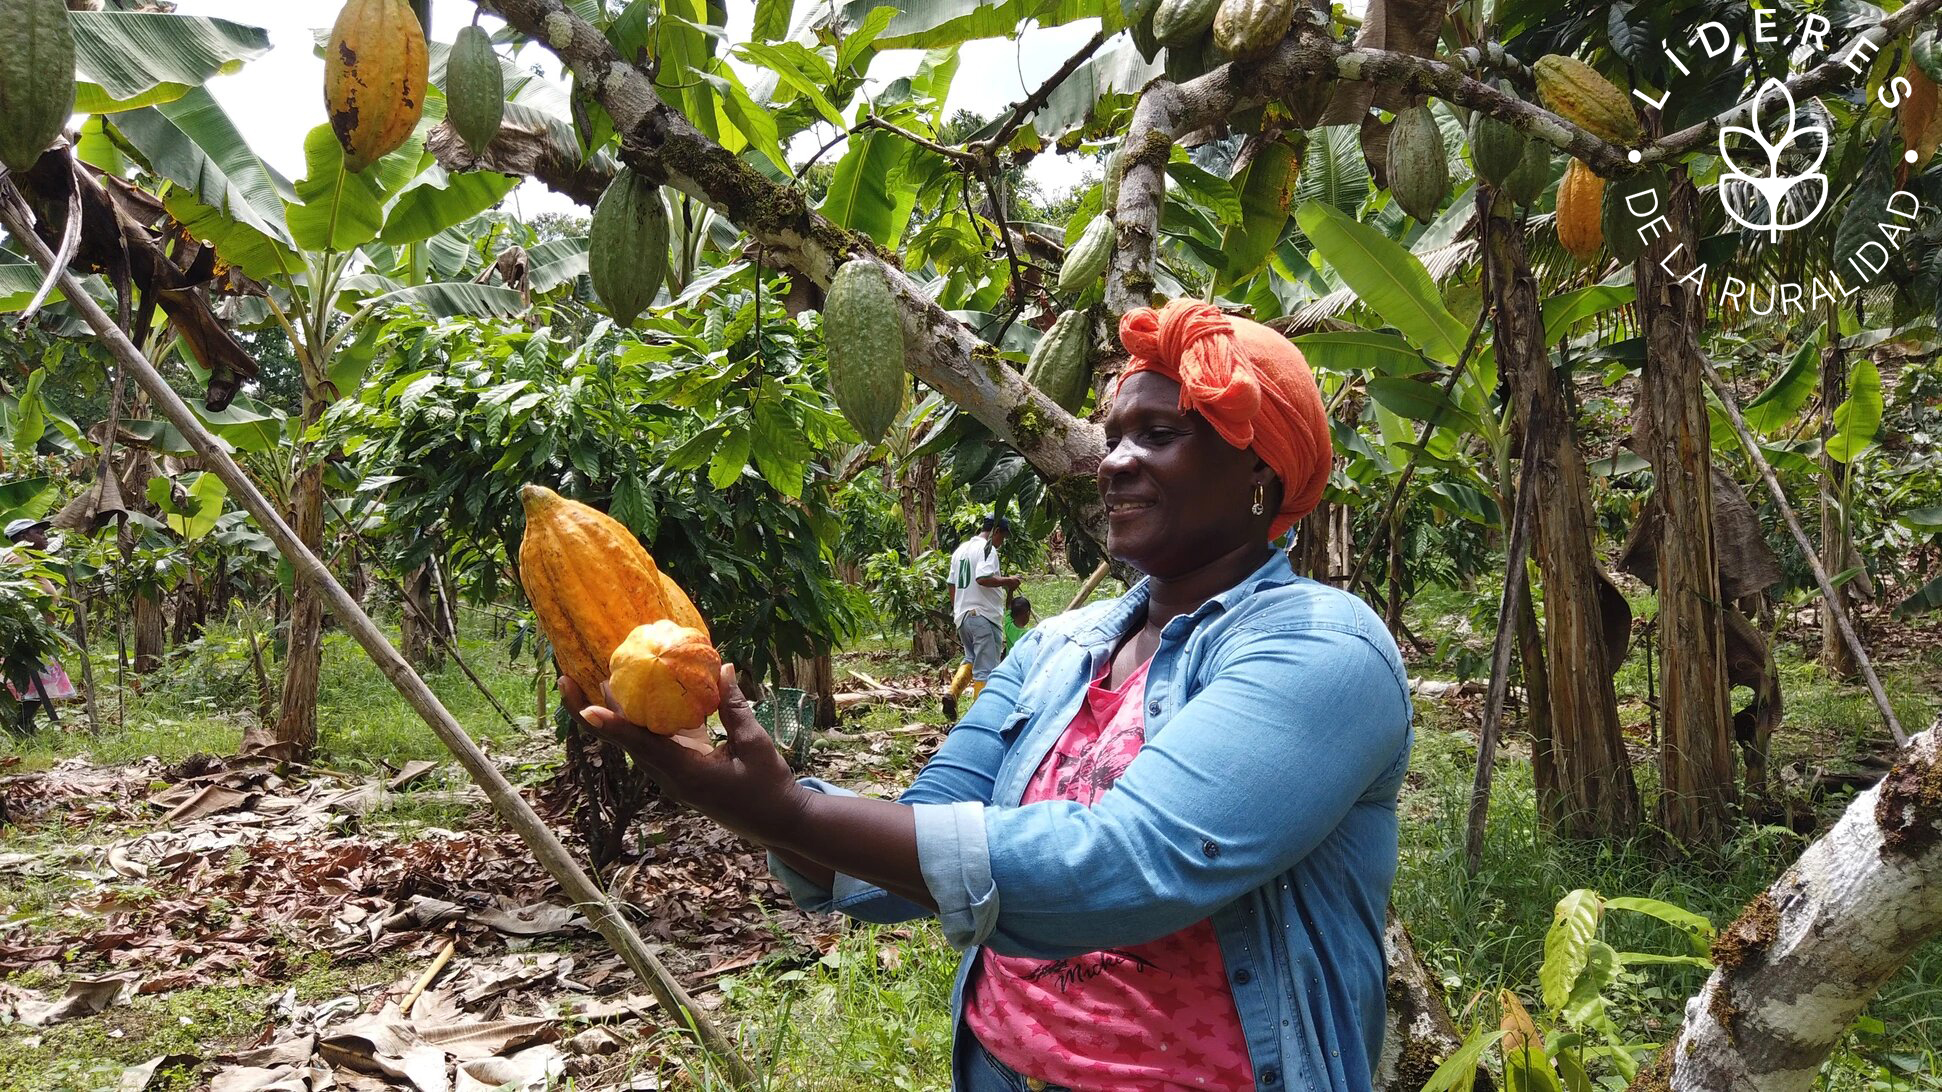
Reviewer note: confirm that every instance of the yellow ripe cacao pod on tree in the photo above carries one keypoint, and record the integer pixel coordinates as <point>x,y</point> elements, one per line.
<point>375,73</point>
<point>1575,91</point>
<point>590,581</point>
<point>666,677</point>
<point>1581,211</point>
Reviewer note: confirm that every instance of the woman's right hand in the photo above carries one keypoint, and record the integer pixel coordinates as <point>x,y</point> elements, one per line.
<point>744,784</point>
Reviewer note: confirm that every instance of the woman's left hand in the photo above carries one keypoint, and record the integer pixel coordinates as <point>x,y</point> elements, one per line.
<point>744,784</point>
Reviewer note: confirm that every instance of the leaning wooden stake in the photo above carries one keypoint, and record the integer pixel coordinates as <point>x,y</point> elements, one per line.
<point>1516,581</point>
<point>1091,585</point>
<point>1752,448</point>
<point>512,807</point>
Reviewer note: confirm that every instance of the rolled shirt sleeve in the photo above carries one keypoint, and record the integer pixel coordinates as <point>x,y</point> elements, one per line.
<point>1296,727</point>
<point>956,782</point>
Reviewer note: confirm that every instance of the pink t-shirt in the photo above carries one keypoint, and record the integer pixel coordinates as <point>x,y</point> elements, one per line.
<point>1151,1016</point>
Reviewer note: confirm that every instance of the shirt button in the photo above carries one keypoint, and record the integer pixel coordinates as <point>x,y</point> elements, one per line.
<point>1242,977</point>
<point>1271,1075</point>
<point>1209,849</point>
<point>1153,709</point>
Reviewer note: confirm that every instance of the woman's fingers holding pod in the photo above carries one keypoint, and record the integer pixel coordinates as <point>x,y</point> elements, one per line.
<point>737,715</point>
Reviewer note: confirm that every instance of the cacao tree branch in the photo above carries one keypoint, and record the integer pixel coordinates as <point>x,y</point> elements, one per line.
<point>587,897</point>
<point>659,142</point>
<point>963,159</point>
<point>1031,104</point>
<point>1830,75</point>
<point>526,152</point>
<point>1809,952</point>
<point>1168,112</point>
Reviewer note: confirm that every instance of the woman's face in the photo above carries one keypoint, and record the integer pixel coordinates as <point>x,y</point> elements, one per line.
<point>1177,495</point>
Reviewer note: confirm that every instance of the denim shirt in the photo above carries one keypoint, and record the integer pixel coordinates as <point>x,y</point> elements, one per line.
<point>1264,798</point>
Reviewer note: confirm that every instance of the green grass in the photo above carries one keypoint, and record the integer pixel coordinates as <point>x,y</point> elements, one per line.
<point>875,1014</point>
<point>205,697</point>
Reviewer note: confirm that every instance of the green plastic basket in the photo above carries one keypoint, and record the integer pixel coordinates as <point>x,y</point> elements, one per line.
<point>789,716</point>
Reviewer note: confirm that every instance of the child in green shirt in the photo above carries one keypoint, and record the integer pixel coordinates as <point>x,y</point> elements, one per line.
<point>1018,621</point>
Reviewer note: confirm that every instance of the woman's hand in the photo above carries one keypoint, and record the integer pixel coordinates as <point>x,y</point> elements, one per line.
<point>744,784</point>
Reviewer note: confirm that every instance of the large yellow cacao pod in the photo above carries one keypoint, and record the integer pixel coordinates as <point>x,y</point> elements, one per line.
<point>36,78</point>
<point>1581,211</point>
<point>1575,91</point>
<point>375,73</point>
<point>590,581</point>
<point>681,608</point>
<point>665,677</point>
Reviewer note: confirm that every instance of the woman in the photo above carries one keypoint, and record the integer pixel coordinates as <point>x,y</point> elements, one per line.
<point>1165,834</point>
<point>49,683</point>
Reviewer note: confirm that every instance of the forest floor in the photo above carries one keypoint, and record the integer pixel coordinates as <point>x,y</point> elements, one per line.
<point>170,920</point>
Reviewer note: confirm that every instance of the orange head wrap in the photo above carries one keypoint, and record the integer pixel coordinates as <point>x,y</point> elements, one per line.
<point>1249,382</point>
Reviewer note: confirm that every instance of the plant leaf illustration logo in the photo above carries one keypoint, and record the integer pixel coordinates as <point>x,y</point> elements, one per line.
<point>1758,190</point>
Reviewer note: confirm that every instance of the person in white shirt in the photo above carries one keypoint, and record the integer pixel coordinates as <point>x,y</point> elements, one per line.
<point>978,596</point>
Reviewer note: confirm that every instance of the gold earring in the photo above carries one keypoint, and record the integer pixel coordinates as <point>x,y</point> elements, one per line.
<point>1260,498</point>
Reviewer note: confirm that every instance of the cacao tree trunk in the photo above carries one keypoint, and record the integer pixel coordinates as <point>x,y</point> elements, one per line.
<point>917,496</point>
<point>1696,776</point>
<point>1310,555</point>
<point>295,731</point>
<point>1418,1032</point>
<point>1537,705</point>
<point>1837,549</point>
<point>1595,794</point>
<point>1809,952</point>
<point>421,650</point>
<point>150,631</point>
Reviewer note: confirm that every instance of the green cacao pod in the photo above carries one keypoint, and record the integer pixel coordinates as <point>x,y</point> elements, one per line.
<point>36,78</point>
<point>1926,52</point>
<point>1181,22</point>
<point>1496,149</point>
<point>1576,92</point>
<point>1058,362</point>
<point>1581,211</point>
<point>1139,22</point>
<point>1249,28</point>
<point>1418,166</point>
<point>1630,204</point>
<point>375,72</point>
<point>1533,174</point>
<point>863,337</point>
<point>627,246</point>
<point>1086,258</point>
<point>1109,187</point>
<point>475,88</point>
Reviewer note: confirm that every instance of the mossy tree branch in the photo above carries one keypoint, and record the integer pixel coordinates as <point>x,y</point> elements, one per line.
<point>660,143</point>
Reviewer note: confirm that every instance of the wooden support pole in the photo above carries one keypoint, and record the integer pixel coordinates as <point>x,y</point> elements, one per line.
<point>1752,448</point>
<point>589,899</point>
<point>1508,608</point>
<point>1091,585</point>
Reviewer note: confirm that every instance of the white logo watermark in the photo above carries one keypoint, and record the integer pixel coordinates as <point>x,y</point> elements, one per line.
<point>1773,153</point>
